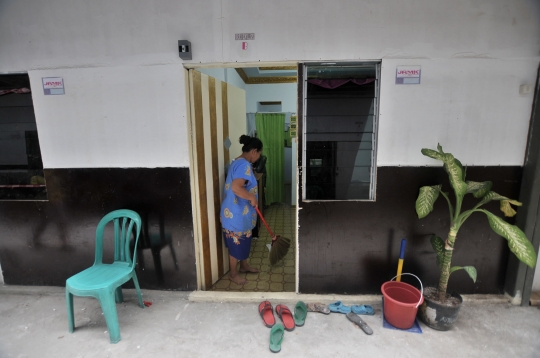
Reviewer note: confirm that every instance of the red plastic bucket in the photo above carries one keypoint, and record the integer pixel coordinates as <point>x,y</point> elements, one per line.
<point>401,302</point>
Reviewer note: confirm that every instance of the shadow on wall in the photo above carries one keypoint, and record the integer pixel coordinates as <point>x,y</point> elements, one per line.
<point>50,241</point>
<point>354,247</point>
<point>384,268</point>
<point>155,242</point>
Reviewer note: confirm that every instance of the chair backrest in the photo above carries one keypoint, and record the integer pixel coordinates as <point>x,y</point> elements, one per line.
<point>124,221</point>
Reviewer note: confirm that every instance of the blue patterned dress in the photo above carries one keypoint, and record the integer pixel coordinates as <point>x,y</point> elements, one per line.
<point>238,217</point>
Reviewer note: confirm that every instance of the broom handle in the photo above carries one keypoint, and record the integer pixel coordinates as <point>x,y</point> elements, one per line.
<point>264,221</point>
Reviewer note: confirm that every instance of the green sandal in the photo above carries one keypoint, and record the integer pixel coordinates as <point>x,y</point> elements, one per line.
<point>276,337</point>
<point>300,313</point>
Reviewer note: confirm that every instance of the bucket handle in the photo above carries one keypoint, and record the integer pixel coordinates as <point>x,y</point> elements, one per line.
<point>421,287</point>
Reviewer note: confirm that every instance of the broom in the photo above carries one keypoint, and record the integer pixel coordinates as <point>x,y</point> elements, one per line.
<point>280,245</point>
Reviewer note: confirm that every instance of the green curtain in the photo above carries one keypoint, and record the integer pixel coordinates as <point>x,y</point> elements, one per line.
<point>271,132</point>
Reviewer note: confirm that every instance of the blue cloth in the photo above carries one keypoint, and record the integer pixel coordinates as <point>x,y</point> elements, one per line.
<point>239,247</point>
<point>237,215</point>
<point>414,329</point>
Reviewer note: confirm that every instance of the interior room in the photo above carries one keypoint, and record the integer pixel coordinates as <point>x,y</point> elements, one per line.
<point>270,115</point>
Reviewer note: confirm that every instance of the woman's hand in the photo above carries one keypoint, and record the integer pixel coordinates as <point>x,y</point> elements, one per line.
<point>253,200</point>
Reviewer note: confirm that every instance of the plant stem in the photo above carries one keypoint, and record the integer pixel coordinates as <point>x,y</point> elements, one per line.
<point>446,262</point>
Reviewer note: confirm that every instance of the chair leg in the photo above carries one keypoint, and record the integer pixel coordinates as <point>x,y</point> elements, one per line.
<point>69,306</point>
<point>108,305</point>
<point>139,294</point>
<point>118,294</point>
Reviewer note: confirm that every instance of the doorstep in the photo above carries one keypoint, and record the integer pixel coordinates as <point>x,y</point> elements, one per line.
<point>216,296</point>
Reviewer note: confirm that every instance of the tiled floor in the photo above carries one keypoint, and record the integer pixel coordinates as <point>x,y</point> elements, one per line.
<point>277,278</point>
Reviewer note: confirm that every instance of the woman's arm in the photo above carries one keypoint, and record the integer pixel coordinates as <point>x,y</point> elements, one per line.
<point>239,190</point>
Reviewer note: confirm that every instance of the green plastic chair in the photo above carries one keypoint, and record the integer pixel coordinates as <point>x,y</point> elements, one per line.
<point>104,281</point>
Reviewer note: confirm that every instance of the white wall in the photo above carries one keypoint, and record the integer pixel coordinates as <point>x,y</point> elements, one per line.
<point>125,98</point>
<point>113,117</point>
<point>471,107</point>
<point>283,92</point>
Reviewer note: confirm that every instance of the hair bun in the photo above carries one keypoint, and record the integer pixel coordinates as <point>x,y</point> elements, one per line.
<point>245,139</point>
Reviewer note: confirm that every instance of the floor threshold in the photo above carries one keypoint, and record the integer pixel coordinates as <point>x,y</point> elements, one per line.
<point>219,296</point>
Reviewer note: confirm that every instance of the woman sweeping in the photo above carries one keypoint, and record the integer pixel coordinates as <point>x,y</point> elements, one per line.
<point>238,215</point>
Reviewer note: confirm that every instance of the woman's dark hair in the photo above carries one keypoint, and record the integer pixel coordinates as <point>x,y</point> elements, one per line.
<point>250,143</point>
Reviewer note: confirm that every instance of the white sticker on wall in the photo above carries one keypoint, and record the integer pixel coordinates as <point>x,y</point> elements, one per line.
<point>244,36</point>
<point>408,75</point>
<point>53,85</point>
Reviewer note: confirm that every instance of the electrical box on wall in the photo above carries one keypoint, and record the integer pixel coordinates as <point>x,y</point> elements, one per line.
<point>184,48</point>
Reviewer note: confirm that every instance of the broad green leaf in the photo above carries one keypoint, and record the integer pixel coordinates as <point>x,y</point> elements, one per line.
<point>455,172</point>
<point>517,241</point>
<point>478,189</point>
<point>432,154</point>
<point>426,199</point>
<point>491,196</point>
<point>438,246</point>
<point>456,160</point>
<point>469,269</point>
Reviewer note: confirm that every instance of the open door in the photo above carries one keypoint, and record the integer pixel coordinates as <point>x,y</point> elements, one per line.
<point>217,120</point>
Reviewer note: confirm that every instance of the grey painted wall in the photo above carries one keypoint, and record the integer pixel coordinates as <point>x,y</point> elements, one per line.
<point>125,101</point>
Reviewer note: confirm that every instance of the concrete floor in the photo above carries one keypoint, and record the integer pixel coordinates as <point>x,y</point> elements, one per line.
<point>219,324</point>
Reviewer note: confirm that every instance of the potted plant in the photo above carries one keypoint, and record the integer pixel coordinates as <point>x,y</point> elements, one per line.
<point>440,310</point>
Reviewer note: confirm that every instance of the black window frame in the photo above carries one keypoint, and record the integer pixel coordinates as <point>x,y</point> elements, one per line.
<point>306,192</point>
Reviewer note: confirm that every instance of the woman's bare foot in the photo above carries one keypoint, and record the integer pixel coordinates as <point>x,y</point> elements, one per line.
<point>244,267</point>
<point>238,280</point>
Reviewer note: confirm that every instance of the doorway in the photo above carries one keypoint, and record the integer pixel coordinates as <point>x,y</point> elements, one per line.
<point>221,102</point>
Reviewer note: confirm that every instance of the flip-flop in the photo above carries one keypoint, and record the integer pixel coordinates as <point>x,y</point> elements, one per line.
<point>318,307</point>
<point>359,322</point>
<point>300,313</point>
<point>267,314</point>
<point>276,337</point>
<point>339,307</point>
<point>363,309</point>
<point>286,317</point>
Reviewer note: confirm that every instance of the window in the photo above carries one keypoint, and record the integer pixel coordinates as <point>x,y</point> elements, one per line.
<point>340,131</point>
<point>21,168</point>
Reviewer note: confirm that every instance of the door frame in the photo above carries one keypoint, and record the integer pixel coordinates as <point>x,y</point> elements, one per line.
<point>192,143</point>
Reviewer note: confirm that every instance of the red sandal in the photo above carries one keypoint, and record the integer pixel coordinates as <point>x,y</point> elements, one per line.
<point>286,317</point>
<point>267,314</point>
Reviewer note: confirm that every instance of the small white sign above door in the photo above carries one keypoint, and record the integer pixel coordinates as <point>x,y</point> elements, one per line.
<point>53,85</point>
<point>408,75</point>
